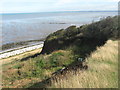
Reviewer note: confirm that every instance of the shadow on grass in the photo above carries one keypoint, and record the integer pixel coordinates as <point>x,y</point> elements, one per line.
<point>32,56</point>
<point>81,49</point>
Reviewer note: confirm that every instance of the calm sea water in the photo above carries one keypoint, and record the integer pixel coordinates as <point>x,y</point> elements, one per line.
<point>33,26</point>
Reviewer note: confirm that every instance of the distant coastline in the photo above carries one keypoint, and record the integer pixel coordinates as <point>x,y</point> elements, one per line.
<point>21,44</point>
<point>58,12</point>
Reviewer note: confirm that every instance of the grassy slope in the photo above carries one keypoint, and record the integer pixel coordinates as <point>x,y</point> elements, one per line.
<point>102,72</point>
<point>19,73</point>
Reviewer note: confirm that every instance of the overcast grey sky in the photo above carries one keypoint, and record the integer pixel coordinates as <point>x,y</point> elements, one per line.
<point>24,6</point>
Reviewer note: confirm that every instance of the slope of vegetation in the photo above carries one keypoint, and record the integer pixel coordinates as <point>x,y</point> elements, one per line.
<point>99,32</point>
<point>102,72</point>
<point>63,49</point>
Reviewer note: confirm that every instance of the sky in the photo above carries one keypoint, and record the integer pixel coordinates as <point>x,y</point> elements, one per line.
<point>27,6</point>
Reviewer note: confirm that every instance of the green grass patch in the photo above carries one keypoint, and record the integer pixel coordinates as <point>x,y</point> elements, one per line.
<point>36,67</point>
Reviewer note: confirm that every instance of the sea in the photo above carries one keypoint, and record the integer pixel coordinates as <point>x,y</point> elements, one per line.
<point>17,27</point>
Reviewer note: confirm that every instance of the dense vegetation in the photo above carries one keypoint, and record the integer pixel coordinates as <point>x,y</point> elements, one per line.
<point>98,32</point>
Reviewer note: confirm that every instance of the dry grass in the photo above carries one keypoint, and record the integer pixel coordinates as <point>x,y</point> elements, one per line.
<point>8,71</point>
<point>19,74</point>
<point>102,72</point>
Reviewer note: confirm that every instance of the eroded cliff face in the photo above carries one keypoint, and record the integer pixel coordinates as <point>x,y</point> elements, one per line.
<point>97,32</point>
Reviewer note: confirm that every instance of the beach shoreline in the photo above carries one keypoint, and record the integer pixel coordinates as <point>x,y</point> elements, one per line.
<point>20,50</point>
<point>14,45</point>
<point>19,56</point>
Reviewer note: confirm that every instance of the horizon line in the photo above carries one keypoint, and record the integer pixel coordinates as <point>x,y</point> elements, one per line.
<point>60,11</point>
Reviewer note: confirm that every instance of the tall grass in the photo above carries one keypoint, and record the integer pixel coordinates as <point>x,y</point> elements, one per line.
<point>102,72</point>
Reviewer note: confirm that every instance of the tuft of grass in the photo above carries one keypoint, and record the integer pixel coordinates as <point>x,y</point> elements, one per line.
<point>102,72</point>
<point>17,66</point>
